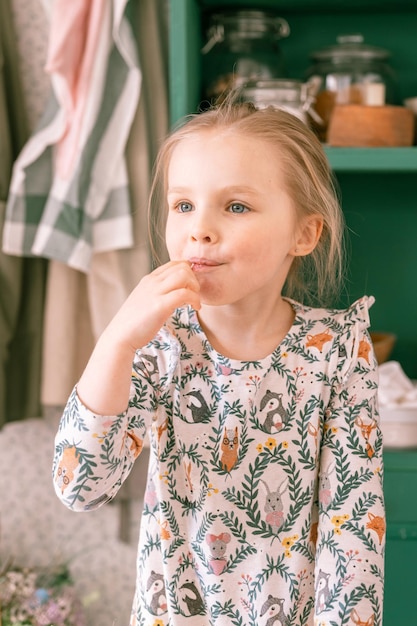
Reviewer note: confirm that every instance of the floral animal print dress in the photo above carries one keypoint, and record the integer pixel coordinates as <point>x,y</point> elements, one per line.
<point>264,500</point>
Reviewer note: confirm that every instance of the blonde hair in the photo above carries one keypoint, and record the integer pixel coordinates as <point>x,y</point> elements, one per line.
<point>314,279</point>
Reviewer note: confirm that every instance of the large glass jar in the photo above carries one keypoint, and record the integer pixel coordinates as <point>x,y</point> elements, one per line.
<point>351,72</point>
<point>241,45</point>
<point>290,95</point>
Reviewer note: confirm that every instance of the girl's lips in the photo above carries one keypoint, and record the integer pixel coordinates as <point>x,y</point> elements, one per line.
<point>202,264</point>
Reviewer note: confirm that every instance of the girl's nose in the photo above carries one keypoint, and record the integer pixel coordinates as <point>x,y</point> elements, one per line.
<point>203,229</point>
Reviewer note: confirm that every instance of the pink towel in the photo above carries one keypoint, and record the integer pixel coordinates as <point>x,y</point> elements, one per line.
<point>75,30</point>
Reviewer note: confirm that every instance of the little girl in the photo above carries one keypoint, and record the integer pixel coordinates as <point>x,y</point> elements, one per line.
<point>264,502</point>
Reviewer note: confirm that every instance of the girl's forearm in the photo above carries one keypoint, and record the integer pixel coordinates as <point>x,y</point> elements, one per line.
<point>105,383</point>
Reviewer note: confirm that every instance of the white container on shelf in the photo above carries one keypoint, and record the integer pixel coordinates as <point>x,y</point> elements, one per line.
<point>397,406</point>
<point>399,426</point>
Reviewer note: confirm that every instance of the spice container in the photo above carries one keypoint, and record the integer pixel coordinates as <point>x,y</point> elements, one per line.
<point>241,46</point>
<point>352,72</point>
<point>292,96</point>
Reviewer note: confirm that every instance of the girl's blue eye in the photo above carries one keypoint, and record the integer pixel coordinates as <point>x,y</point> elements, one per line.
<point>236,207</point>
<point>184,207</point>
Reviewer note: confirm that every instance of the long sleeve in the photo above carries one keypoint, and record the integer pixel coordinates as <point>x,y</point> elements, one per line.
<point>95,453</point>
<point>351,529</point>
<point>267,474</point>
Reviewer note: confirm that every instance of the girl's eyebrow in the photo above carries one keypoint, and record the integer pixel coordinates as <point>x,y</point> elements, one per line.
<point>232,190</point>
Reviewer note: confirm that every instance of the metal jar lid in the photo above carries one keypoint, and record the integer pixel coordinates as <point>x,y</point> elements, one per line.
<point>350,46</point>
<point>281,90</point>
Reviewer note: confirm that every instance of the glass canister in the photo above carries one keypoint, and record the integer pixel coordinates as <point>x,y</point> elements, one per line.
<point>242,45</point>
<point>290,95</point>
<point>352,72</point>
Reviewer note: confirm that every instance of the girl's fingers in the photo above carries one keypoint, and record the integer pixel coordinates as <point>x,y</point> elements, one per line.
<point>176,275</point>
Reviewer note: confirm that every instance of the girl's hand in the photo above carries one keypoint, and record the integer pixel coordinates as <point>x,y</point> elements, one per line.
<point>152,301</point>
<point>104,385</point>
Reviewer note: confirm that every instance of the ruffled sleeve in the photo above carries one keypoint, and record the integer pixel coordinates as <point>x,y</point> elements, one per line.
<point>355,345</point>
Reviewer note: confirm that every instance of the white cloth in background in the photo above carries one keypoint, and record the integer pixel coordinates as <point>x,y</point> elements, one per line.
<point>395,388</point>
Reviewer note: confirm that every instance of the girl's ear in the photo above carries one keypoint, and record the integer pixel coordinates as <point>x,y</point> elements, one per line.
<point>308,235</point>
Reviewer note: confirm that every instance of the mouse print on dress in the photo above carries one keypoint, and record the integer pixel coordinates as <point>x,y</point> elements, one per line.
<point>217,546</point>
<point>284,490</point>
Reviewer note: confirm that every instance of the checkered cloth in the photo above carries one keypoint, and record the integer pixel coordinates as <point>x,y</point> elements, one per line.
<point>69,193</point>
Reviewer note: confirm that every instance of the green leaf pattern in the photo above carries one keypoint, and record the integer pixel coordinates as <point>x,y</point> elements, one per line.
<point>264,501</point>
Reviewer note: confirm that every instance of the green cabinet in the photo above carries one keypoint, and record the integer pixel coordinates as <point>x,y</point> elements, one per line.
<point>400,485</point>
<point>378,186</point>
<point>379,197</point>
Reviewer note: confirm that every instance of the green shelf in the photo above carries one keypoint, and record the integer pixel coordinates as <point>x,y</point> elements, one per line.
<point>402,532</point>
<point>393,160</point>
<point>315,5</point>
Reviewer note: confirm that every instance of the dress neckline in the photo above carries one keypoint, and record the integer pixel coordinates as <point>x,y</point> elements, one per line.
<point>245,365</point>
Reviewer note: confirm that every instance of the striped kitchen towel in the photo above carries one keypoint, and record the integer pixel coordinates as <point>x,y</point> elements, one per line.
<point>69,194</point>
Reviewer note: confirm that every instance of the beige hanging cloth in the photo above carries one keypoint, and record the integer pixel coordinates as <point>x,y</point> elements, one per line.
<point>79,306</point>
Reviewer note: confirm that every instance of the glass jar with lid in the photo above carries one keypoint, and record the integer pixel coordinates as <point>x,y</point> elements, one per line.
<point>242,45</point>
<point>290,95</point>
<point>352,72</point>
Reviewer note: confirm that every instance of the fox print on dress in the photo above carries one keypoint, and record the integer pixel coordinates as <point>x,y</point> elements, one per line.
<point>263,504</point>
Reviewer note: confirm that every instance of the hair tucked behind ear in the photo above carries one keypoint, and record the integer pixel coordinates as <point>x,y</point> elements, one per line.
<point>315,279</point>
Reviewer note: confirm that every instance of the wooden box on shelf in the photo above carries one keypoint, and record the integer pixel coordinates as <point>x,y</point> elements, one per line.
<point>357,125</point>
